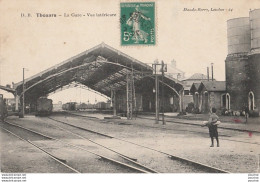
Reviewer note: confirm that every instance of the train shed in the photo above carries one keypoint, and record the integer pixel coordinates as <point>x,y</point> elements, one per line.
<point>110,72</point>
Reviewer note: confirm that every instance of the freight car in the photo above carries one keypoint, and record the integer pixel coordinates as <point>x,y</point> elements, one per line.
<point>65,106</point>
<point>70,106</point>
<point>44,106</point>
<point>103,106</point>
<point>100,106</point>
<point>82,106</point>
<point>3,109</point>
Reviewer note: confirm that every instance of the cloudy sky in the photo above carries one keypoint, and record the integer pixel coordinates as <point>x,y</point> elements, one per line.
<point>193,39</point>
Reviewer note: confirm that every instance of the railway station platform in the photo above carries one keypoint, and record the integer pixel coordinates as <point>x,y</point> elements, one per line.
<point>227,122</point>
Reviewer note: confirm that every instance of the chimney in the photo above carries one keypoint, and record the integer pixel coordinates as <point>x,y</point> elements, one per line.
<point>212,71</point>
<point>208,73</point>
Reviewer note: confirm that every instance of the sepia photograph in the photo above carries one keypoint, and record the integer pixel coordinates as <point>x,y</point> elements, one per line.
<point>116,87</point>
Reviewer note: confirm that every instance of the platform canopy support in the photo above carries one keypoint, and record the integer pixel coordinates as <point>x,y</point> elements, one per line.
<point>181,95</point>
<point>129,96</point>
<point>17,100</point>
<point>113,99</point>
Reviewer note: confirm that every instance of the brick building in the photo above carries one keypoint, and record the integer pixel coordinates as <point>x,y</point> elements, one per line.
<point>196,78</point>
<point>208,94</point>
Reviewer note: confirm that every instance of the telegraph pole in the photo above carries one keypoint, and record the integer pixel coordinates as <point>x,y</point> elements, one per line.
<point>156,96</point>
<point>156,91</point>
<point>163,68</point>
<point>163,94</point>
<point>22,116</point>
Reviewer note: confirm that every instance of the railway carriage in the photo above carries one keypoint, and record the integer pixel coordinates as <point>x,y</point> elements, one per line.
<point>70,106</point>
<point>44,106</point>
<point>65,106</point>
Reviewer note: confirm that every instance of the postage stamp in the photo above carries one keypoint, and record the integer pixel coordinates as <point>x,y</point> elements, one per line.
<point>137,23</point>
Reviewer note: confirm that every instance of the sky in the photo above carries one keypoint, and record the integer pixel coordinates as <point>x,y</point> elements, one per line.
<point>193,39</point>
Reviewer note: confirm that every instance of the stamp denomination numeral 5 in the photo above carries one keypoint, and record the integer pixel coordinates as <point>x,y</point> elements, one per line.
<point>127,36</point>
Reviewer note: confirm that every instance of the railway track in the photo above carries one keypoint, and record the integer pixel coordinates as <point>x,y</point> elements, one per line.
<point>130,159</point>
<point>195,164</point>
<point>61,161</point>
<point>204,133</point>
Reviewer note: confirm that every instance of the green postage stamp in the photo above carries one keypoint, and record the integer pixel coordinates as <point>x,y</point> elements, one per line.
<point>137,23</point>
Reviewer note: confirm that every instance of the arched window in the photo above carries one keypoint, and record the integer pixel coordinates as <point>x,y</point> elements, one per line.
<point>206,102</point>
<point>251,101</point>
<point>227,101</point>
<point>196,100</point>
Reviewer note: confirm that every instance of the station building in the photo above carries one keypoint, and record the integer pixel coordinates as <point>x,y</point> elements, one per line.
<point>189,95</point>
<point>208,94</point>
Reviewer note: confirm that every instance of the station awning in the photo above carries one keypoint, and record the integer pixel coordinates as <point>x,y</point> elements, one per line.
<point>101,68</point>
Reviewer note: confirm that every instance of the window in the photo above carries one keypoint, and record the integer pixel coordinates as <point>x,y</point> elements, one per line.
<point>196,100</point>
<point>225,101</point>
<point>251,101</point>
<point>206,102</point>
<point>186,92</point>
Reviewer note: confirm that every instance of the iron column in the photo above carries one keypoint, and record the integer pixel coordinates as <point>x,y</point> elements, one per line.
<point>156,95</point>
<point>113,99</point>
<point>163,94</point>
<point>22,116</point>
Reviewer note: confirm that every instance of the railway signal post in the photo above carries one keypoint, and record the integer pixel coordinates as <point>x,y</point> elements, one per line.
<point>159,69</point>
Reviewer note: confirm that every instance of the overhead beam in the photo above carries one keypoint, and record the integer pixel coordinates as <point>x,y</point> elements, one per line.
<point>7,89</point>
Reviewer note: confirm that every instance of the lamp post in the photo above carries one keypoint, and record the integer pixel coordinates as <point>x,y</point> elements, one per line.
<point>22,115</point>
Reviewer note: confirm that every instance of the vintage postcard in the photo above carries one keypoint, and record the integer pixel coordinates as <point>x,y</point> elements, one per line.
<point>119,87</point>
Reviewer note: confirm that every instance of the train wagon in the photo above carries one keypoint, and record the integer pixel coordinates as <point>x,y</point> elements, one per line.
<point>44,106</point>
<point>65,106</point>
<point>100,106</point>
<point>70,106</point>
